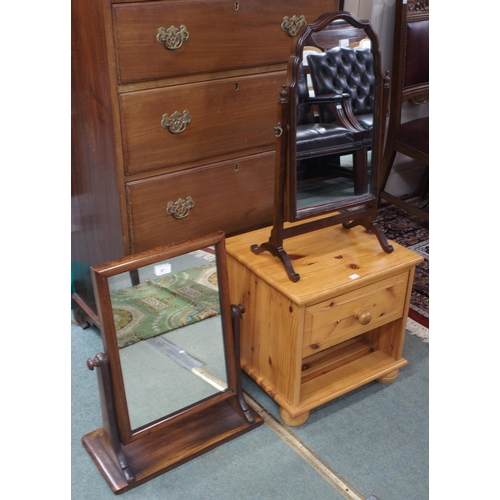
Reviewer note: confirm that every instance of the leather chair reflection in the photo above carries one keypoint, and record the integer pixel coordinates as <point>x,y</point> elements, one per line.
<point>321,143</point>
<point>409,84</point>
<point>345,70</point>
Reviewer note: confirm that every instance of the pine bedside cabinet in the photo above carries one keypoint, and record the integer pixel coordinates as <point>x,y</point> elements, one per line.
<point>342,325</point>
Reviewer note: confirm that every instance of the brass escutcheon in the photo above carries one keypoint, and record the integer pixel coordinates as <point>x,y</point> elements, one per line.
<point>292,25</point>
<point>180,208</point>
<point>172,38</point>
<point>176,123</point>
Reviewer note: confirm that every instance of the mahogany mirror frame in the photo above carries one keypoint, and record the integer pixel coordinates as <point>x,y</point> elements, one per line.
<point>127,458</point>
<point>350,212</point>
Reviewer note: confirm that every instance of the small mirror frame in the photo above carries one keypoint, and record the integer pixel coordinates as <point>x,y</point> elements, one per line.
<point>369,199</point>
<point>354,211</point>
<point>128,458</point>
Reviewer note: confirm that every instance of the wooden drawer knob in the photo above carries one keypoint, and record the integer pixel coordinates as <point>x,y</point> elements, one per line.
<point>364,317</point>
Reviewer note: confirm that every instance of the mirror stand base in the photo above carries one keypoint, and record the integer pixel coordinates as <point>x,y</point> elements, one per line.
<point>373,228</point>
<point>169,446</point>
<point>277,250</point>
<point>281,254</point>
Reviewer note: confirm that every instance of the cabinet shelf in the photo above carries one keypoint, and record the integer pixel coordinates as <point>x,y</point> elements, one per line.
<point>341,369</point>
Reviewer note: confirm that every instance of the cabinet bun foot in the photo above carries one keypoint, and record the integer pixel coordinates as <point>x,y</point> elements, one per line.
<point>293,421</point>
<point>389,378</point>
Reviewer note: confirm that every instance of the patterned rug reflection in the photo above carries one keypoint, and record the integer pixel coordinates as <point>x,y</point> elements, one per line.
<point>165,304</point>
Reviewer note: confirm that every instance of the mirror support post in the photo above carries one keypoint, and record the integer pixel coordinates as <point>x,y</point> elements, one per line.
<point>107,436</point>
<point>236,312</point>
<point>385,104</point>
<point>275,243</point>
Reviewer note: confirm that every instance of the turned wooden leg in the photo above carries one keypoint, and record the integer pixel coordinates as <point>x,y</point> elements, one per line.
<point>81,318</point>
<point>293,421</point>
<point>389,378</point>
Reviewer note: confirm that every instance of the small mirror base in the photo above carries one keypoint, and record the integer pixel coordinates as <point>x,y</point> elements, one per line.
<point>275,244</point>
<point>281,254</point>
<point>375,229</point>
<point>169,447</point>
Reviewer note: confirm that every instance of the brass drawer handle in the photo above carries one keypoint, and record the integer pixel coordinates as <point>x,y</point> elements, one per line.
<point>180,208</point>
<point>364,317</point>
<point>176,123</point>
<point>292,25</point>
<point>172,38</point>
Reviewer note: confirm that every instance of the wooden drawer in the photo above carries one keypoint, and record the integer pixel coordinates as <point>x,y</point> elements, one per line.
<point>231,196</point>
<point>228,116</point>
<point>223,34</point>
<point>333,321</point>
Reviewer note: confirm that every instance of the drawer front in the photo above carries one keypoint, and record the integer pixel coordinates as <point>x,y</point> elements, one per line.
<point>334,321</point>
<point>232,196</point>
<point>226,117</point>
<point>221,35</point>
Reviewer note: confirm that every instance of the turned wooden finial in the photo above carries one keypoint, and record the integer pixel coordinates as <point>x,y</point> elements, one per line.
<point>283,94</point>
<point>98,361</point>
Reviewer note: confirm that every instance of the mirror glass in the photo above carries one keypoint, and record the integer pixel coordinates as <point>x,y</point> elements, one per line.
<point>169,333</point>
<point>332,120</point>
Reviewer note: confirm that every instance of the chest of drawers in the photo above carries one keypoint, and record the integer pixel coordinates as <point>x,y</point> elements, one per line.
<point>339,327</point>
<point>173,114</point>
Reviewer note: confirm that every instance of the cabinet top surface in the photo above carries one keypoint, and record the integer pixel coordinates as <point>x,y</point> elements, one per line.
<point>329,261</point>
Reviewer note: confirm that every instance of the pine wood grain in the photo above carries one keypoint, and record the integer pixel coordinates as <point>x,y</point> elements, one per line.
<point>304,343</point>
<point>326,259</point>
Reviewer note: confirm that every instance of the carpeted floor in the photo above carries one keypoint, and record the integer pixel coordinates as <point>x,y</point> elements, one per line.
<point>372,442</point>
<point>411,232</point>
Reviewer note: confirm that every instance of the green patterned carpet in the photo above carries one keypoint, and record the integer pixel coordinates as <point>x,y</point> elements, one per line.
<point>165,304</point>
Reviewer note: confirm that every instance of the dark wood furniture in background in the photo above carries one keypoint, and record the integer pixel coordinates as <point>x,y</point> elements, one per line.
<point>173,116</point>
<point>409,86</point>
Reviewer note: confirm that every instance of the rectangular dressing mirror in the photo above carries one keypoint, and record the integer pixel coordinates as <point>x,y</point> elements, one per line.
<point>169,379</point>
<point>335,93</point>
<point>169,333</point>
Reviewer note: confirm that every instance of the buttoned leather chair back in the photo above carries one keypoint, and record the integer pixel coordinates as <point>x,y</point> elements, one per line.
<point>343,70</point>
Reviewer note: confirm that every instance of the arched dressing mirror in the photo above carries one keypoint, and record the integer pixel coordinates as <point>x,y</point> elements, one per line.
<point>331,122</point>
<point>169,378</point>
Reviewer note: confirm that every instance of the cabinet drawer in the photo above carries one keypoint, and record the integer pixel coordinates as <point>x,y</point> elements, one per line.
<point>232,196</point>
<point>227,116</point>
<point>222,35</point>
<point>333,321</point>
